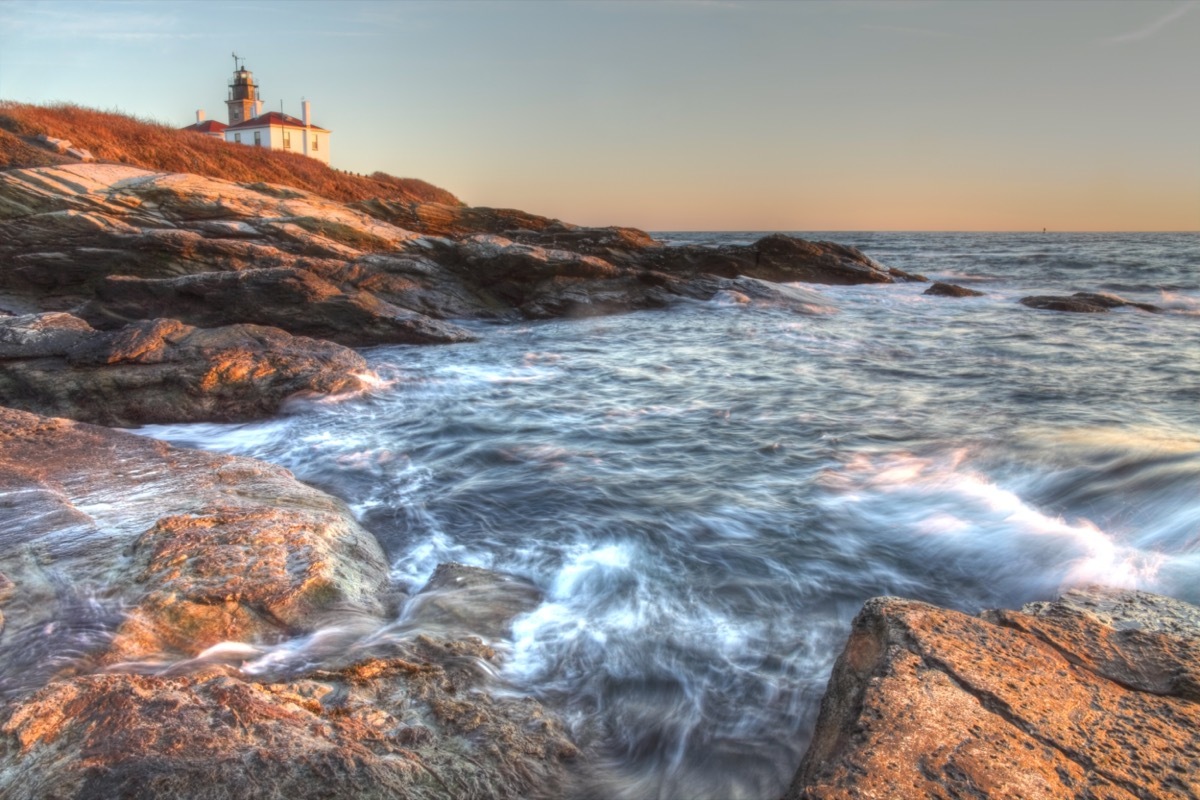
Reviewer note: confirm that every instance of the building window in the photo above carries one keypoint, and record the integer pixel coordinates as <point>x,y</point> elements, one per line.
<point>287,140</point>
<point>315,146</point>
<point>237,138</point>
<point>258,138</point>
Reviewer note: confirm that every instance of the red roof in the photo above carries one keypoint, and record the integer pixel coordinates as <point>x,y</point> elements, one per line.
<point>275,118</point>
<point>207,126</point>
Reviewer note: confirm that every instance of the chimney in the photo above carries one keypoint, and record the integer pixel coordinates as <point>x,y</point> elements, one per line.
<point>199,115</point>
<point>307,112</point>
<point>258,108</point>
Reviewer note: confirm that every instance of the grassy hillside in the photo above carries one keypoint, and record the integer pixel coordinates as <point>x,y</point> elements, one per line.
<point>127,140</point>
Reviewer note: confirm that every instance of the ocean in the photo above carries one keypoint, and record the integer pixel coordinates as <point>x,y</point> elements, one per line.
<point>707,494</point>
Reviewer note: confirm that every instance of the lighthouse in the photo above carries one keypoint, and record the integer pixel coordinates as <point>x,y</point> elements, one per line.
<point>243,101</point>
<point>275,130</point>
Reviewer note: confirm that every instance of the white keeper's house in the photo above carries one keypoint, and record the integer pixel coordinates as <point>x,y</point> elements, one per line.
<point>248,124</point>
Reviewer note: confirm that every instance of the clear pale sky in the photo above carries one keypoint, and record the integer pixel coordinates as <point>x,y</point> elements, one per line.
<point>689,115</point>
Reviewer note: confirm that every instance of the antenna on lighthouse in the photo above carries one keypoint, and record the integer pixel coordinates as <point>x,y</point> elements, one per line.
<point>235,62</point>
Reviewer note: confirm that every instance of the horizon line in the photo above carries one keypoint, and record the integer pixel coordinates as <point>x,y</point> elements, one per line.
<point>897,230</point>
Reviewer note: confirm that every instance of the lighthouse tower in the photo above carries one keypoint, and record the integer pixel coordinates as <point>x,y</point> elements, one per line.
<point>243,99</point>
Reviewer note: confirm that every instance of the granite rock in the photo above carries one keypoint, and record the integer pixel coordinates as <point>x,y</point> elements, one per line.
<point>297,301</point>
<point>940,289</point>
<point>1093,695</point>
<point>1084,303</point>
<point>119,547</point>
<point>163,371</point>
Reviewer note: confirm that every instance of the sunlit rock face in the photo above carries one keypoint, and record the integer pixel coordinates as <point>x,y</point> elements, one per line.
<point>1094,695</point>
<point>621,246</point>
<point>414,724</point>
<point>65,230</point>
<point>156,371</point>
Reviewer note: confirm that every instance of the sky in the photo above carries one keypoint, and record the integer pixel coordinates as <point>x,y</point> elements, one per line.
<point>686,115</point>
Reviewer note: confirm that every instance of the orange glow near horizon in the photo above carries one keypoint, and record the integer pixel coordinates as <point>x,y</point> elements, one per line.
<point>1113,205</point>
<point>696,114</point>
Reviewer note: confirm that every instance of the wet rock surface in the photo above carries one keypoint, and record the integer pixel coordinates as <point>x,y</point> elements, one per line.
<point>181,624</point>
<point>413,720</point>
<point>159,371</point>
<point>940,289</point>
<point>146,550</point>
<point>465,600</point>
<point>1093,695</point>
<point>1085,303</point>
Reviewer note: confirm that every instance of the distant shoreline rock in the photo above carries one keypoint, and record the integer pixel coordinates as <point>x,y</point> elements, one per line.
<point>1085,303</point>
<point>940,289</point>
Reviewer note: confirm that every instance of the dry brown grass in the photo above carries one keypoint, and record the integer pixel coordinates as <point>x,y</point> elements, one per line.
<point>16,152</point>
<point>121,138</point>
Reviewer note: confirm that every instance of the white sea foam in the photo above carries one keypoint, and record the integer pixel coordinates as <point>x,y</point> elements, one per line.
<point>1180,303</point>
<point>953,512</point>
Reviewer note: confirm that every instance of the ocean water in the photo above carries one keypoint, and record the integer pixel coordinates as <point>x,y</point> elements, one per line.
<point>708,493</point>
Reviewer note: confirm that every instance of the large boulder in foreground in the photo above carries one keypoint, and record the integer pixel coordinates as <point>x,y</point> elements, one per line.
<point>409,717</point>
<point>121,548</point>
<point>1096,695</point>
<point>162,371</point>
<point>188,625</point>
